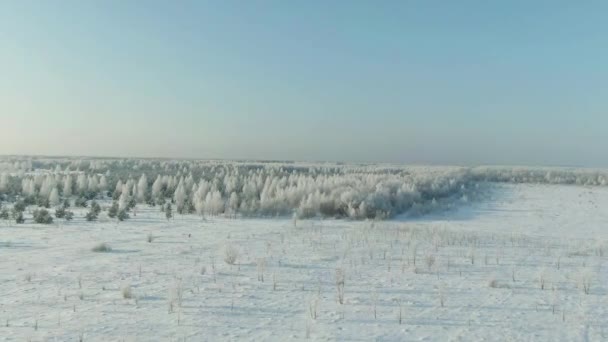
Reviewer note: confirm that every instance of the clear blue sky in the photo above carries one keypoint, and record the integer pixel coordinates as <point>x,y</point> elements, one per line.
<point>448,82</point>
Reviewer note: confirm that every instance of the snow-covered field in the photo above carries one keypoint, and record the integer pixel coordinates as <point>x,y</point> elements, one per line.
<point>527,263</point>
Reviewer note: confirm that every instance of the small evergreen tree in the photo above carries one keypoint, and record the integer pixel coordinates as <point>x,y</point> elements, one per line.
<point>81,202</point>
<point>168,211</point>
<point>90,216</point>
<point>60,212</point>
<point>42,216</point>
<point>122,215</point>
<point>69,216</point>
<point>19,206</point>
<point>4,214</point>
<point>18,217</point>
<point>29,200</point>
<point>113,210</point>
<point>131,204</point>
<point>95,208</point>
<point>150,200</point>
<point>44,202</point>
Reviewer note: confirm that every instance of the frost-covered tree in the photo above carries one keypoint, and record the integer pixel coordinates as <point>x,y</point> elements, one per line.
<point>28,187</point>
<point>3,182</point>
<point>54,197</point>
<point>103,183</point>
<point>142,188</point>
<point>117,190</point>
<point>180,197</point>
<point>233,203</point>
<point>123,201</point>
<point>157,187</point>
<point>198,199</point>
<point>93,184</point>
<point>67,186</point>
<point>82,182</point>
<point>214,204</point>
<point>47,185</point>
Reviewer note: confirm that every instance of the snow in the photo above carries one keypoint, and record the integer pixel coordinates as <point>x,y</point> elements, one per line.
<point>54,287</point>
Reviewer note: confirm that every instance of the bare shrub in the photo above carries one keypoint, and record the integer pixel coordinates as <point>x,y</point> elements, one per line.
<point>400,315</point>
<point>430,261</point>
<point>441,295</point>
<point>472,256</point>
<point>308,327</point>
<point>231,254</point>
<point>586,282</point>
<point>340,284</point>
<point>261,267</point>
<point>313,307</point>
<point>127,292</point>
<point>542,280</point>
<point>177,293</point>
<point>375,303</point>
<point>150,238</point>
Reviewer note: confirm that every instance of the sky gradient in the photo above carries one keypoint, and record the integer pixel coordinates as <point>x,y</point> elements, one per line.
<point>441,82</point>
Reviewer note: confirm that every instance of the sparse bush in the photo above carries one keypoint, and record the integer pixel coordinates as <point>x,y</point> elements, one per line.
<point>101,248</point>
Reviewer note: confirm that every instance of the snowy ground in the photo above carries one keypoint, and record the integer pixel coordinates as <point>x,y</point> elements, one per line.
<point>514,267</point>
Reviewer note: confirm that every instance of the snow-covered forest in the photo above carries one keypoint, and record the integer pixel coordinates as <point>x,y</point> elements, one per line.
<point>259,189</point>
